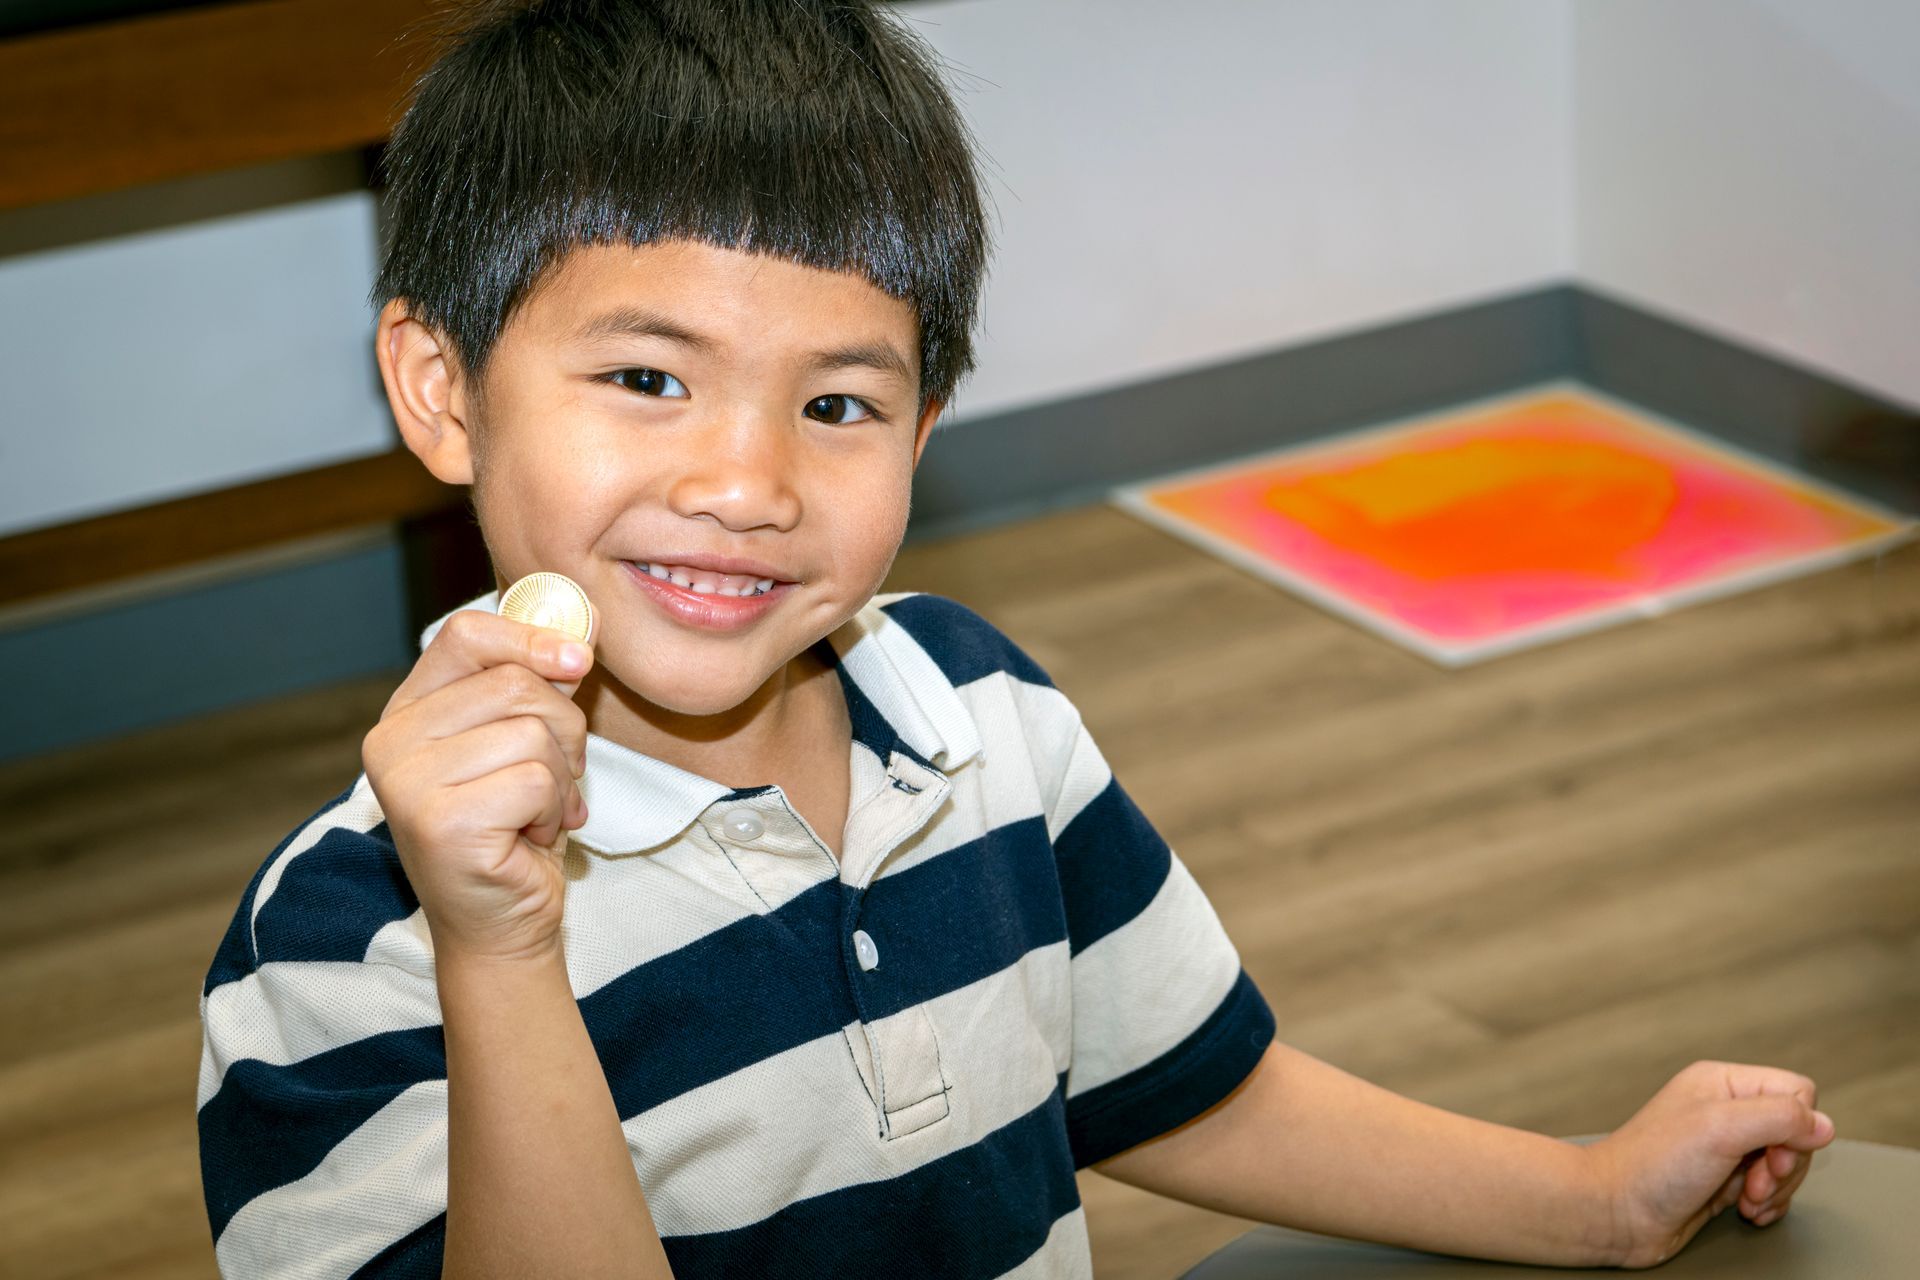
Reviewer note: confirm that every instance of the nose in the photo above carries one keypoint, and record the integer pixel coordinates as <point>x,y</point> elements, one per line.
<point>741,474</point>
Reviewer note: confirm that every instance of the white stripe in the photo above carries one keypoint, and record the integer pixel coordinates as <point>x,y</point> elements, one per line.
<point>1066,1255</point>
<point>623,912</point>
<point>801,1123</point>
<point>1069,766</point>
<point>292,1009</point>
<point>380,1182</point>
<point>1146,986</point>
<point>404,944</point>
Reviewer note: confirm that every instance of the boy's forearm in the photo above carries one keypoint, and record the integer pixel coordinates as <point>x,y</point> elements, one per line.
<point>539,1181</point>
<point>1306,1145</point>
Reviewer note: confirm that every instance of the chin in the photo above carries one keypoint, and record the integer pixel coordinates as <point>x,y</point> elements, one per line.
<point>695,692</point>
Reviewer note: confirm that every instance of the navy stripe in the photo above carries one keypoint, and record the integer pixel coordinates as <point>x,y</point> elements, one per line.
<point>235,959</point>
<point>978,1212</point>
<point>333,898</point>
<point>1179,1084</point>
<point>964,645</point>
<point>1111,864</point>
<point>739,994</point>
<point>268,1126</point>
<point>957,918</point>
<point>416,1255</point>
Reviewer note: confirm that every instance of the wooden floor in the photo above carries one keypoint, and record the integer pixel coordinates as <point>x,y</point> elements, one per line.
<point>1528,890</point>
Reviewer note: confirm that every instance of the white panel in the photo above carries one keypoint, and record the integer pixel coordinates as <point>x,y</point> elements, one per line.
<point>1758,177</point>
<point>1181,185</point>
<point>140,367</point>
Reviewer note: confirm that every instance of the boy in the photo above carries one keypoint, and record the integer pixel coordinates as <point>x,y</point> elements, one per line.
<point>795,931</point>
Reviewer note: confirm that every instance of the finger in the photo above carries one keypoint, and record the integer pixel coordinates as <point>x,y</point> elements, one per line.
<point>472,640</point>
<point>1784,1192</point>
<point>491,747</point>
<point>521,799</point>
<point>1775,1119</point>
<point>1774,1198</point>
<point>1759,1184</point>
<point>1781,1161</point>
<point>1729,1192</point>
<point>500,693</point>
<point>1745,1081</point>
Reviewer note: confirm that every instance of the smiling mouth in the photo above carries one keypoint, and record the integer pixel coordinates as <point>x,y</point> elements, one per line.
<point>706,582</point>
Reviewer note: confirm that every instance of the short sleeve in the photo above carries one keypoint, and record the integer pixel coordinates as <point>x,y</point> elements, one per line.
<point>1166,1022</point>
<point>322,1101</point>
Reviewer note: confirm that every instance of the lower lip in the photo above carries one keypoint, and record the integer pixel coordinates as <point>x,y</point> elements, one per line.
<point>710,611</point>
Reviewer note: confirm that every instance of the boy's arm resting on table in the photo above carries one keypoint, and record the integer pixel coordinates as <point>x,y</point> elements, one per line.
<point>539,1181</point>
<point>1304,1144</point>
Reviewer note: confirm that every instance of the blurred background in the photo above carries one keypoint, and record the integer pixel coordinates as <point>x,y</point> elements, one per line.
<point>1529,890</point>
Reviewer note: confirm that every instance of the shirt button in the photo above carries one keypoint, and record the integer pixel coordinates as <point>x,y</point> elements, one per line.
<point>864,951</point>
<point>743,825</point>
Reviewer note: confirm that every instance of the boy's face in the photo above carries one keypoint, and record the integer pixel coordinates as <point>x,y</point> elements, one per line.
<point>679,403</point>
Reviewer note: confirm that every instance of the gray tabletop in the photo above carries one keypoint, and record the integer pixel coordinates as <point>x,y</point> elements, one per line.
<point>1857,1217</point>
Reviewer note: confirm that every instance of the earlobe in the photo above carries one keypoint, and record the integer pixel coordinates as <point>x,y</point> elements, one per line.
<point>424,393</point>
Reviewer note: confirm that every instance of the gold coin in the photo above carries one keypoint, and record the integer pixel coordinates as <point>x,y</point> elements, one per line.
<point>550,600</point>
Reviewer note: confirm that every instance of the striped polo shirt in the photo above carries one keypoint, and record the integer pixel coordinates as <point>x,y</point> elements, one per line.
<point>886,1064</point>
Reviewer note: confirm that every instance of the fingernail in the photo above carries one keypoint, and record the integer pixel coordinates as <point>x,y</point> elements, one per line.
<point>1823,1126</point>
<point>574,657</point>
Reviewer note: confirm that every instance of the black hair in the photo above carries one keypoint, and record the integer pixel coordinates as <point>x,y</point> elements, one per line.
<point>815,131</point>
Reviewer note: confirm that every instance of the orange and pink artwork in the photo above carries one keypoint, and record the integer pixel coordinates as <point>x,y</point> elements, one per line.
<point>1507,523</point>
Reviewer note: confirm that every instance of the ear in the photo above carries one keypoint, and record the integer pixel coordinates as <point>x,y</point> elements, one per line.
<point>924,431</point>
<point>425,392</point>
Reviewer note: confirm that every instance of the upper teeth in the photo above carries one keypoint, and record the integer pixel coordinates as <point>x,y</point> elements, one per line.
<point>705,582</point>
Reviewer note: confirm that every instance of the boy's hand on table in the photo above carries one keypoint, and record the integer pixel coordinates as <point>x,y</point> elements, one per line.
<point>1717,1135</point>
<point>476,762</point>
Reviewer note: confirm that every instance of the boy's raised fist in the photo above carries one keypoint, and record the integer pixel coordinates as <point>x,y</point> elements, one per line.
<point>476,762</point>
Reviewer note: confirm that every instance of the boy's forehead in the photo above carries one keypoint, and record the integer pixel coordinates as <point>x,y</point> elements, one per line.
<point>708,289</point>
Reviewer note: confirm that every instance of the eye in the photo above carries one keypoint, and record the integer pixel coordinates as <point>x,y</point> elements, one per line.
<point>647,382</point>
<point>830,409</point>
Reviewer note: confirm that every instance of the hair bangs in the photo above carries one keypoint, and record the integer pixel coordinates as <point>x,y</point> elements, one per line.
<point>820,133</point>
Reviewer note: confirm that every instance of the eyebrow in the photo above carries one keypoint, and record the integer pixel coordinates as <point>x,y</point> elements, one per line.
<point>644,322</point>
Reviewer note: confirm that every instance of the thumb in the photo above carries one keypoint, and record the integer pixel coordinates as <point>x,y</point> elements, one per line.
<point>1775,1120</point>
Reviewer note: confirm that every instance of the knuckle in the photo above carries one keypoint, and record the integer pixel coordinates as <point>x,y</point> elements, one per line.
<point>529,735</point>
<point>462,629</point>
<point>531,777</point>
<point>523,687</point>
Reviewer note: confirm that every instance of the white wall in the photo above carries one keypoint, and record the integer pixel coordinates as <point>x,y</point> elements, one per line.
<point>1182,184</point>
<point>187,355</point>
<point>1752,168</point>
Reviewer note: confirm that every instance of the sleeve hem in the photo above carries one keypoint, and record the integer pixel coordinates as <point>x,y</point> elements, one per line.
<point>1178,1085</point>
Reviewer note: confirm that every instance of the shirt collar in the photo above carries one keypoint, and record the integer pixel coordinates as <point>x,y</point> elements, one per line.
<point>897,698</point>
